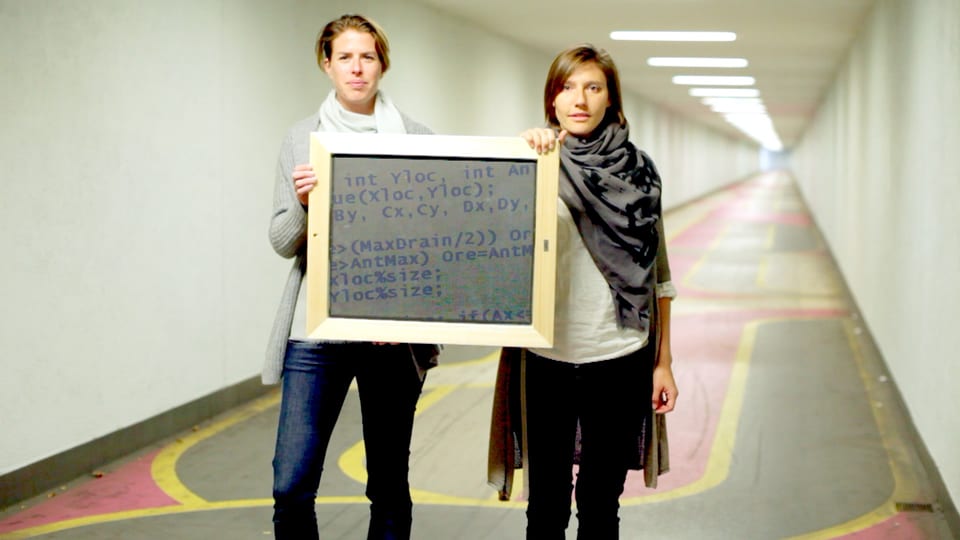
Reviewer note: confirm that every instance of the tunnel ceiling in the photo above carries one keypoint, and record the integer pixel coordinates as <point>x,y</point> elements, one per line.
<point>794,47</point>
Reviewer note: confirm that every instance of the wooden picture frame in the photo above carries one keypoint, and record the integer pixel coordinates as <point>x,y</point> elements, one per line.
<point>431,239</point>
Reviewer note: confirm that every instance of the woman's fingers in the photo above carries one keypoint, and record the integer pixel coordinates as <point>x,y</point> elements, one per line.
<point>303,182</point>
<point>542,140</point>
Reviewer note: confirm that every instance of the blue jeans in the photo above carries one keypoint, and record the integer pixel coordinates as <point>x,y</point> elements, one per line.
<point>316,378</point>
<point>606,399</point>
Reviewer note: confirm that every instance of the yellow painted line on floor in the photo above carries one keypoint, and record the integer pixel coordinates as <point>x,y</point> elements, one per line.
<point>695,268</point>
<point>422,497</point>
<point>164,466</point>
<point>762,269</point>
<point>764,265</point>
<point>351,460</point>
<point>761,279</point>
<point>493,356</point>
<point>136,514</point>
<point>91,520</point>
<point>352,465</point>
<point>686,226</point>
<point>718,464</point>
<point>163,470</point>
<point>479,385</point>
<point>905,487</point>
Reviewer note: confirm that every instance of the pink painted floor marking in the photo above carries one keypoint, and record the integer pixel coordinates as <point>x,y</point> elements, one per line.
<point>763,216</point>
<point>131,487</point>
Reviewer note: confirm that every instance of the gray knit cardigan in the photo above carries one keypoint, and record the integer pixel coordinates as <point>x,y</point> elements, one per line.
<point>288,235</point>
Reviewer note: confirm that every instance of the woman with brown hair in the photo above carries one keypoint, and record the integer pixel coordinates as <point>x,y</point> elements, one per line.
<point>593,396</point>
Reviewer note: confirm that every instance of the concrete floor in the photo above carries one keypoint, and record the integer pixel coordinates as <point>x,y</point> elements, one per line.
<point>787,425</point>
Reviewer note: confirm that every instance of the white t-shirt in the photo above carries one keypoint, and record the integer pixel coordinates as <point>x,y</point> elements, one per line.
<point>585,320</point>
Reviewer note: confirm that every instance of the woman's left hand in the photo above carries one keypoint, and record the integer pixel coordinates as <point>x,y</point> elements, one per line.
<point>664,389</point>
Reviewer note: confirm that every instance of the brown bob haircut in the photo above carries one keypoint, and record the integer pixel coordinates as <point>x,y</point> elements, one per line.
<point>330,32</point>
<point>563,67</point>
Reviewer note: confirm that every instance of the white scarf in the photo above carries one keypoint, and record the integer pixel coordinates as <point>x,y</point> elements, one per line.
<point>386,118</point>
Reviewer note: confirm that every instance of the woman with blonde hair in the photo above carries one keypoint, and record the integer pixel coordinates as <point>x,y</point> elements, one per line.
<point>315,375</point>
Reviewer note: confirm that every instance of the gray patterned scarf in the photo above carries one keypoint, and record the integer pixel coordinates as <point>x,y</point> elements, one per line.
<point>613,191</point>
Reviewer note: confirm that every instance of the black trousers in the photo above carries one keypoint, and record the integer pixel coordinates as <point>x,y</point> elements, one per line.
<point>607,399</point>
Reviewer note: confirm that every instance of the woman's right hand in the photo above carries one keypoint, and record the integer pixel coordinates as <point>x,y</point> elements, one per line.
<point>543,140</point>
<point>304,181</point>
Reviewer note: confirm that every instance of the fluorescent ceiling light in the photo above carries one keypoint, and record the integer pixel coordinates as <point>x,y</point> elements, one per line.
<point>758,127</point>
<point>756,108</point>
<point>667,61</point>
<point>729,100</point>
<point>724,92</point>
<point>713,80</point>
<point>622,35</point>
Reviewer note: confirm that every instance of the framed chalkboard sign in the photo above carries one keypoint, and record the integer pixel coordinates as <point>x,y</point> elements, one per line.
<point>431,239</point>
